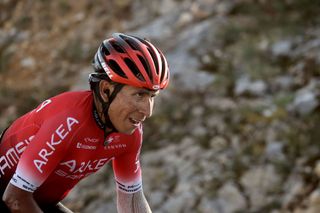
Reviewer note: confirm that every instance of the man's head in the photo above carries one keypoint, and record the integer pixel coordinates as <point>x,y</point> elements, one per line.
<point>129,72</point>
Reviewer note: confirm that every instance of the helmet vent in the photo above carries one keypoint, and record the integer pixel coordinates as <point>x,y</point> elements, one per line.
<point>116,68</point>
<point>154,59</point>
<point>132,44</point>
<point>162,68</point>
<point>117,47</point>
<point>145,65</point>
<point>104,50</point>
<point>134,69</point>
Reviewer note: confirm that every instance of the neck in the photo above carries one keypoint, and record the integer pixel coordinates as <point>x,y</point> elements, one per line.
<point>100,115</point>
<point>98,106</point>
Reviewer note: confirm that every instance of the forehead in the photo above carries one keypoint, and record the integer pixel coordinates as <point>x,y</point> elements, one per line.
<point>128,88</point>
<point>132,89</point>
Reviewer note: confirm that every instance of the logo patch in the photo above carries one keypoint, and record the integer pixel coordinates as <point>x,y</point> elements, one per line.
<point>91,140</point>
<point>111,139</point>
<point>156,87</point>
<point>85,146</point>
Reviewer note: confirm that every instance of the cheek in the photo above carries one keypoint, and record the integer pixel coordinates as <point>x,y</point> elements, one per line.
<point>120,108</point>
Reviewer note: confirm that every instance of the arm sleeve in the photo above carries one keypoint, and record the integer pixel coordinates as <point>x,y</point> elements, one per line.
<point>127,169</point>
<point>45,151</point>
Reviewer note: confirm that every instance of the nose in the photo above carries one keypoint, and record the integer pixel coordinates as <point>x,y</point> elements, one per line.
<point>146,107</point>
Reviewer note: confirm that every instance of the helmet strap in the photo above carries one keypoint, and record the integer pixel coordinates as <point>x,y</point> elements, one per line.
<point>108,126</point>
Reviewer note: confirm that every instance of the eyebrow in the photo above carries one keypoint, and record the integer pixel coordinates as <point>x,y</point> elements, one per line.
<point>149,91</point>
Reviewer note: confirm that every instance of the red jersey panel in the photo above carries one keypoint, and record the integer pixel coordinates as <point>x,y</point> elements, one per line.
<point>50,149</point>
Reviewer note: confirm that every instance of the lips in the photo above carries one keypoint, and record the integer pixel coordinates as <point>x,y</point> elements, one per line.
<point>135,122</point>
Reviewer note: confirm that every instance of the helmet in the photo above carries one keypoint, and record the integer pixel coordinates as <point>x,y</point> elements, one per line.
<point>133,61</point>
<point>129,60</point>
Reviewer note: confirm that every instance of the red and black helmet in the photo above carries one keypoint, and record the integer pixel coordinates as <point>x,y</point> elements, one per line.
<point>133,61</point>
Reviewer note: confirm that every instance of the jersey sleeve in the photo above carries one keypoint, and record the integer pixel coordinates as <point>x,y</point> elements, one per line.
<point>45,151</point>
<point>127,169</point>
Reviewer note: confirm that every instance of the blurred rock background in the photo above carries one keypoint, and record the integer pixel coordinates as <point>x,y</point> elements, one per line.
<point>238,129</point>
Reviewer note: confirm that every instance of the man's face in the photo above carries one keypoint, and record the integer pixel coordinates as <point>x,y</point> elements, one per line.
<point>131,107</point>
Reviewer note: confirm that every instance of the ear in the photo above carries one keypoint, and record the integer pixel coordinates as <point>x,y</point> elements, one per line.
<point>105,89</point>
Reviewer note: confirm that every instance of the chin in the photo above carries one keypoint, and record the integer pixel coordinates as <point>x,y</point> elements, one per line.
<point>128,132</point>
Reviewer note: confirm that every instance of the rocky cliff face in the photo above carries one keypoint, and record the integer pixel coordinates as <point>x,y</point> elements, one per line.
<point>237,131</point>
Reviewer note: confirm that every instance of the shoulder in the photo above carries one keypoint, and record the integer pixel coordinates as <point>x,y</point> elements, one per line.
<point>137,134</point>
<point>72,96</point>
<point>69,104</point>
<point>65,101</point>
<point>135,139</point>
<point>132,141</point>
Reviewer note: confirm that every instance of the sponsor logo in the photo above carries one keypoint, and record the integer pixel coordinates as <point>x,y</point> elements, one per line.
<point>56,138</point>
<point>129,188</point>
<point>19,181</point>
<point>45,103</point>
<point>111,139</point>
<point>105,67</point>
<point>84,146</point>
<point>11,157</point>
<point>73,177</point>
<point>156,87</point>
<point>116,146</point>
<point>78,170</point>
<point>91,140</point>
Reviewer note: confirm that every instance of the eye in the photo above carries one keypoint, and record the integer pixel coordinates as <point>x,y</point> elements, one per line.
<point>145,94</point>
<point>140,94</point>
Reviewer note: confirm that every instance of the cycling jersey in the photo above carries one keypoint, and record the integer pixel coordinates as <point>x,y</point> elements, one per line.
<point>51,148</point>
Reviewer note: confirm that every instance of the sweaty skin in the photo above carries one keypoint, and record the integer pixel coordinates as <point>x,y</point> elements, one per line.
<point>19,201</point>
<point>130,108</point>
<point>135,203</point>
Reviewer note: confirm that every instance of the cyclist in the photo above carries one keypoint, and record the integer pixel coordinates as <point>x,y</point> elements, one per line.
<point>47,151</point>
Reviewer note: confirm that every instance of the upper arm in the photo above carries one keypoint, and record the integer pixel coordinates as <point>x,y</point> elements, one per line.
<point>44,152</point>
<point>127,169</point>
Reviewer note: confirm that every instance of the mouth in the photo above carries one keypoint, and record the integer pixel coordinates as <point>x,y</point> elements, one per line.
<point>135,122</point>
